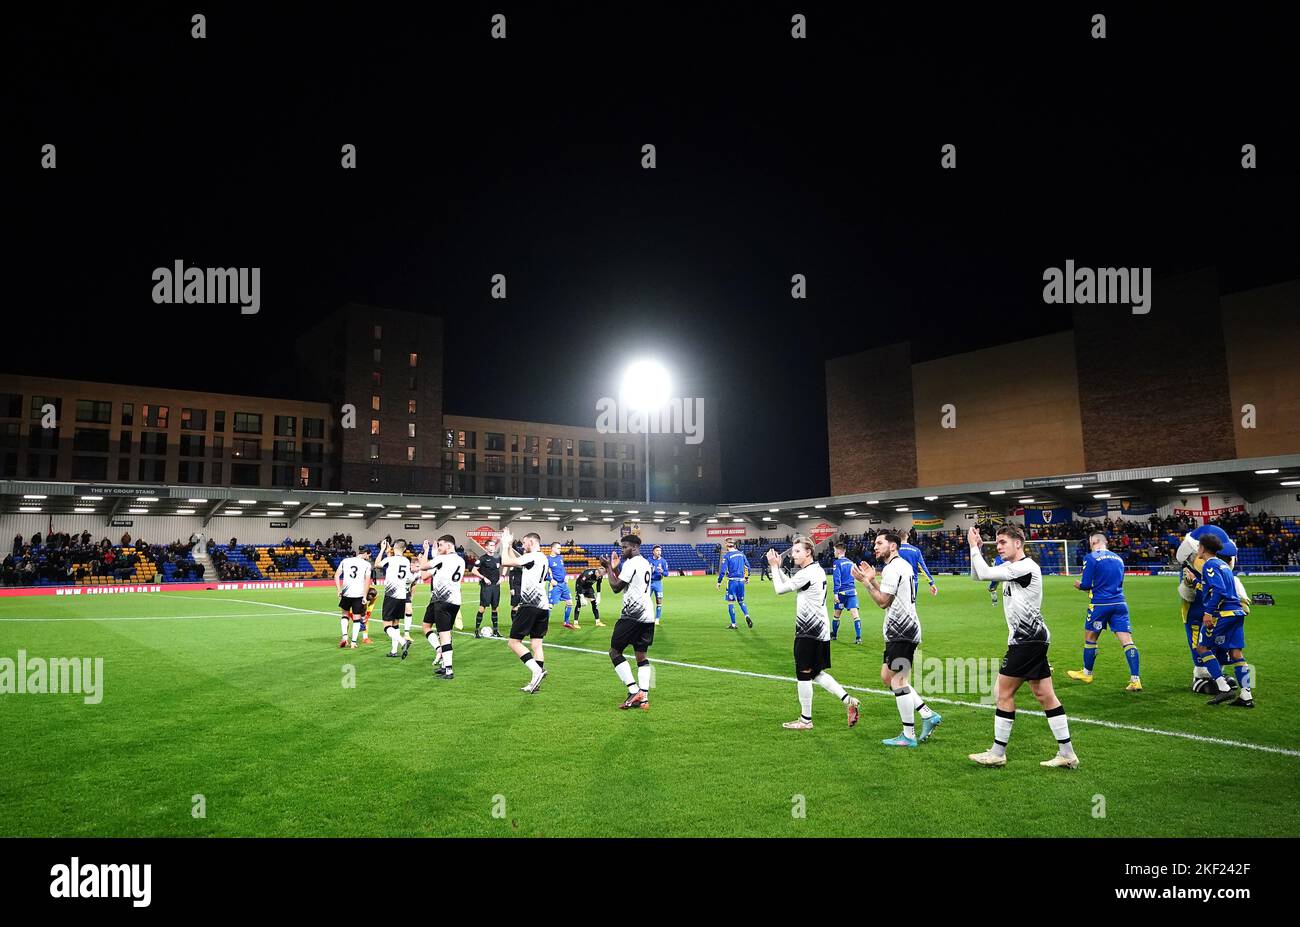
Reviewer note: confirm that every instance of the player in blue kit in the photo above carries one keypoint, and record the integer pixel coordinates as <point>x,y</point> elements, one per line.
<point>1223,626</point>
<point>1191,558</point>
<point>658,571</point>
<point>734,571</point>
<point>560,585</point>
<point>1103,580</point>
<point>993,586</point>
<point>916,560</point>
<point>846,594</point>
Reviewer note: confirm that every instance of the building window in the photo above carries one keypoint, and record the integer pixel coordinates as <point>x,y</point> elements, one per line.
<point>245,449</point>
<point>410,454</point>
<point>629,491</point>
<point>532,466</point>
<point>410,429</point>
<point>218,447</point>
<point>128,413</point>
<point>376,378</point>
<point>309,477</point>
<point>374,402</point>
<point>313,452</point>
<point>249,423</point>
<point>124,443</point>
<point>554,446</point>
<point>494,463</point>
<point>313,428</point>
<point>699,472</point>
<point>413,360</point>
<point>286,426</point>
<point>244,475</point>
<point>375,355</point>
<point>11,405</point>
<point>92,410</point>
<point>568,447</point>
<point>152,471</point>
<point>611,469</point>
<point>494,485</point>
<point>629,452</point>
<point>587,468</point>
<point>586,448</point>
<point>190,471</point>
<point>611,449</point>
<point>153,442</point>
<point>192,446</point>
<point>123,470</point>
<point>410,407</point>
<point>284,450</point>
<point>374,426</point>
<point>629,471</point>
<point>466,439</point>
<point>412,382</point>
<point>218,421</point>
<point>514,444</point>
<point>494,441</point>
<point>586,489</point>
<point>216,474</point>
<point>374,452</point>
<point>379,332</point>
<point>154,416</point>
<point>448,438</point>
<point>194,420</point>
<point>39,401</point>
<point>465,462</point>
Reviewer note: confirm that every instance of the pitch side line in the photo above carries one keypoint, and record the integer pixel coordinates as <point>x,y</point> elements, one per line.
<point>1074,719</point>
<point>150,617</point>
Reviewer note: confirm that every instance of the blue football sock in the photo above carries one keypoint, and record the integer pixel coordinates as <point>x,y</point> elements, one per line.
<point>1242,671</point>
<point>568,610</point>
<point>1131,654</point>
<point>731,610</point>
<point>1212,666</point>
<point>744,608</point>
<point>659,612</point>
<point>835,627</point>
<point>1089,656</point>
<point>857,628</point>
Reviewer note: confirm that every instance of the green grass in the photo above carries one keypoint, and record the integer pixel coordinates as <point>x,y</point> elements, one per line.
<point>243,702</point>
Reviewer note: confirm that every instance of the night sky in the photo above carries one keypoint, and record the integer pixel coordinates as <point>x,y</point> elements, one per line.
<point>522,157</point>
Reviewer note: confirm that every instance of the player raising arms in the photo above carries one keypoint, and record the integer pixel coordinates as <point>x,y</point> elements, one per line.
<point>734,571</point>
<point>1027,642</point>
<point>902,630</point>
<point>488,572</point>
<point>658,572</point>
<point>533,616</point>
<point>352,582</point>
<point>398,578</point>
<point>444,573</point>
<point>586,588</point>
<point>1103,579</point>
<point>846,594</point>
<point>812,633</point>
<point>635,627</point>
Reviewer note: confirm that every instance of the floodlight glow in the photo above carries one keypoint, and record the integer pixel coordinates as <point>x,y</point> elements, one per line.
<point>646,385</point>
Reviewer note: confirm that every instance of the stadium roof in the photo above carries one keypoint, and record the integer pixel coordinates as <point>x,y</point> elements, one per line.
<point>104,502</point>
<point>1252,480</point>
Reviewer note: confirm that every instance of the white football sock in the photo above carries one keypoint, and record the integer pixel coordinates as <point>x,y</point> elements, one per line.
<point>827,682</point>
<point>624,671</point>
<point>391,631</point>
<point>903,699</point>
<point>446,655</point>
<point>919,704</point>
<point>805,688</point>
<point>643,677</point>
<point>356,631</point>
<point>343,624</point>
<point>1061,731</point>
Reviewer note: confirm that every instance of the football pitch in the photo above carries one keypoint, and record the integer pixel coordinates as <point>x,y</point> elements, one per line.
<point>234,713</point>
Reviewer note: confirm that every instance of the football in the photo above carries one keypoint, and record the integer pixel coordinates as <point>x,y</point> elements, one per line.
<point>485,631</point>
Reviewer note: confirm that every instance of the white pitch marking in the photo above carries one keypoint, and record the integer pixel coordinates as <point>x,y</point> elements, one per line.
<point>1113,725</point>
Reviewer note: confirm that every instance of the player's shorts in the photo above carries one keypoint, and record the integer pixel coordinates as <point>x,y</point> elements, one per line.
<point>1113,616</point>
<point>442,615</point>
<point>354,604</point>
<point>628,632</point>
<point>657,587</point>
<point>530,621</point>
<point>489,594</point>
<point>1027,661</point>
<point>898,655</point>
<point>845,600</point>
<point>394,609</point>
<point>1227,634</point>
<point>811,656</point>
<point>587,598</point>
<point>560,593</point>
<point>735,590</point>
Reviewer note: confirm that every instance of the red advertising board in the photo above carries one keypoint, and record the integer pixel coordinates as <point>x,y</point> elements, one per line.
<point>737,532</point>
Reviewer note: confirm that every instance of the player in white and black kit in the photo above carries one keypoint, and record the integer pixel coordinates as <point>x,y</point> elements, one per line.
<point>398,579</point>
<point>812,631</point>
<point>352,581</point>
<point>444,572</point>
<point>488,572</point>
<point>533,616</point>
<point>1027,642</point>
<point>902,631</point>
<point>635,627</point>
